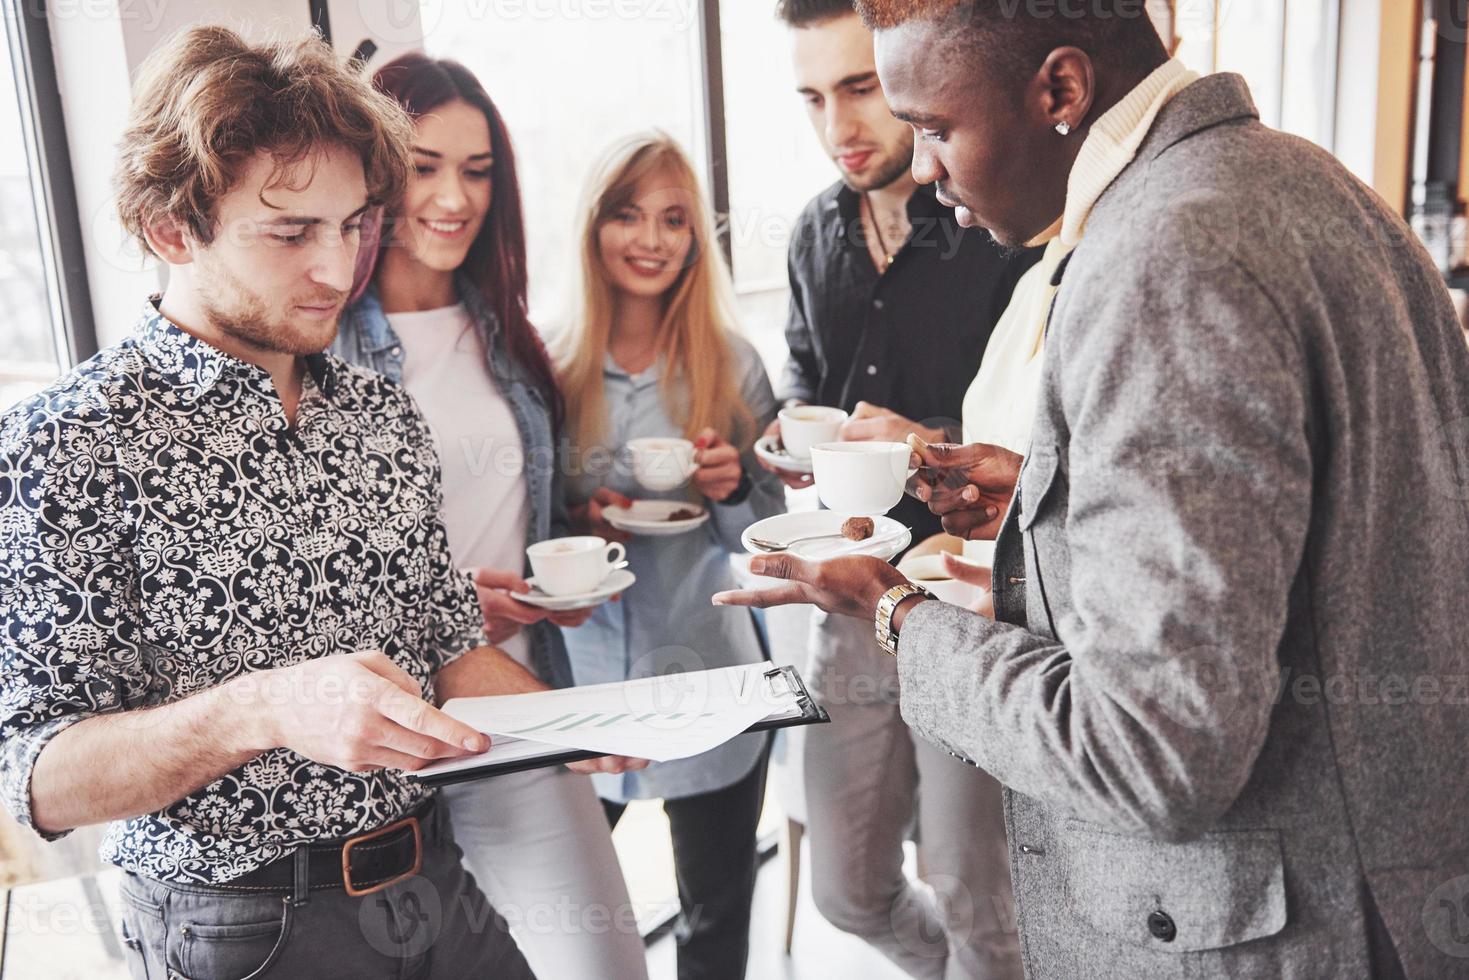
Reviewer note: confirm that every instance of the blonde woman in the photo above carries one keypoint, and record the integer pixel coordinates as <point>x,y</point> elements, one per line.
<point>653,352</point>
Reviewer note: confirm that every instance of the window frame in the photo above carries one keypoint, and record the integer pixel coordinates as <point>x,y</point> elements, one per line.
<point>53,192</point>
<point>716,134</point>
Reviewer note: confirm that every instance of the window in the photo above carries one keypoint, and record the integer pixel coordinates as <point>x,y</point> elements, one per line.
<point>569,80</point>
<point>1287,53</point>
<point>29,339</point>
<point>776,166</point>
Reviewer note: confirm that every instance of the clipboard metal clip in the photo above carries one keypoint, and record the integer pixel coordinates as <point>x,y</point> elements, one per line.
<point>780,682</point>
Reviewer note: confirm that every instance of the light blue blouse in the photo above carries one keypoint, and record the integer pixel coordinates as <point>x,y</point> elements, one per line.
<point>664,623</point>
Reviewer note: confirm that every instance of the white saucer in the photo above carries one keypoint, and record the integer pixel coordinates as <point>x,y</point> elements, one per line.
<point>888,537</point>
<point>765,448</point>
<point>616,583</point>
<point>649,518</point>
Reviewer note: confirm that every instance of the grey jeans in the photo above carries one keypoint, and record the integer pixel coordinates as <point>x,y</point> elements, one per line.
<point>436,924</point>
<point>865,774</point>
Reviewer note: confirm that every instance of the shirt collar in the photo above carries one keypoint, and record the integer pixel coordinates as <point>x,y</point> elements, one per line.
<point>194,366</point>
<point>648,376</point>
<point>1113,140</point>
<point>182,359</point>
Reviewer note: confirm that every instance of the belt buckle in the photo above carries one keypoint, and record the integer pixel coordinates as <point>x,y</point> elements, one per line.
<point>356,892</point>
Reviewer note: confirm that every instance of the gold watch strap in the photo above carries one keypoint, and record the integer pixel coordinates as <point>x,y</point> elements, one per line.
<point>887,606</point>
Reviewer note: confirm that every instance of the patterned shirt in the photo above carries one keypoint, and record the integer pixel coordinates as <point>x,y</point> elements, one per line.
<point>163,530</point>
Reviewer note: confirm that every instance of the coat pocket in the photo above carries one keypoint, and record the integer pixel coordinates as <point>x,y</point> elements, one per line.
<point>1220,890</point>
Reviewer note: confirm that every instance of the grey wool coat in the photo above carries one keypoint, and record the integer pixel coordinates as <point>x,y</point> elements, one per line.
<point>1226,691</point>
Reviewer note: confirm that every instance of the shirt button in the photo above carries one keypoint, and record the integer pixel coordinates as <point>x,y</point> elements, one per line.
<point>877,304</point>
<point>397,351</point>
<point>1161,925</point>
<point>871,370</point>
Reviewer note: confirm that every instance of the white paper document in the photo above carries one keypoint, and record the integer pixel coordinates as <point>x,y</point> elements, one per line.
<point>657,718</point>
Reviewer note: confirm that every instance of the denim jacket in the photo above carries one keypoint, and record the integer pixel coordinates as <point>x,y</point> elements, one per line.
<point>366,338</point>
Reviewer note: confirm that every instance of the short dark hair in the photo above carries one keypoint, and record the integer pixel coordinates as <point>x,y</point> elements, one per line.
<point>804,13</point>
<point>1017,35</point>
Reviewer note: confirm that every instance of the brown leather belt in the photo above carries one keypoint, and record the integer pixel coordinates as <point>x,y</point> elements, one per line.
<point>361,865</point>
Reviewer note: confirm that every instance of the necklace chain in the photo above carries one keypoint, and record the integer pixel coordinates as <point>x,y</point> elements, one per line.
<point>877,228</point>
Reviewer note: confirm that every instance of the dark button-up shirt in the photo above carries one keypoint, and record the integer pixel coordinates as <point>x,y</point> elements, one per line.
<point>164,530</point>
<point>910,339</point>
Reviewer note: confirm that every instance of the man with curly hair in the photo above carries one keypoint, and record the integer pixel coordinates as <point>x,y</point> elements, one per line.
<point>228,600</point>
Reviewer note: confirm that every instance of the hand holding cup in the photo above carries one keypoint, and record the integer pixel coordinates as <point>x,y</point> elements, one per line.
<point>719,469</point>
<point>970,487</point>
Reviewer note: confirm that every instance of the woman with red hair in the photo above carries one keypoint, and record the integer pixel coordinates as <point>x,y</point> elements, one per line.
<point>441,307</point>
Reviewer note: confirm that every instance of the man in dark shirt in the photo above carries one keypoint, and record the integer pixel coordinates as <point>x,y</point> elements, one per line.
<point>892,304</point>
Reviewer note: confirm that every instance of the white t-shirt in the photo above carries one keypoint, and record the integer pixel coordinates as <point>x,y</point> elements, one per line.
<point>486,506</point>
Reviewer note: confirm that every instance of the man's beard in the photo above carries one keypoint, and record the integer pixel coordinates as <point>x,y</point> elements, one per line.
<point>893,167</point>
<point>1007,252</point>
<point>239,314</point>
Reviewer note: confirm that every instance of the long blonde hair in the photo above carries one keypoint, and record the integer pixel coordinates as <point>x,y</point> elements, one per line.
<point>699,385</point>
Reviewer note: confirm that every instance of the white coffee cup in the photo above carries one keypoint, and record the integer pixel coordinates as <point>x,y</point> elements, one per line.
<point>662,464</point>
<point>861,479</point>
<point>574,566</point>
<point>804,426</point>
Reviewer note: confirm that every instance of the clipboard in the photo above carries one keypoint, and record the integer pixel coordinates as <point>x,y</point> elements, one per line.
<point>784,680</point>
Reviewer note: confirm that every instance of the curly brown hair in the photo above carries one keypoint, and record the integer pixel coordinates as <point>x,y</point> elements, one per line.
<point>206,101</point>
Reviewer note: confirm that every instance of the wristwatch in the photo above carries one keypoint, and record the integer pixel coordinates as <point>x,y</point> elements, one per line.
<point>887,637</point>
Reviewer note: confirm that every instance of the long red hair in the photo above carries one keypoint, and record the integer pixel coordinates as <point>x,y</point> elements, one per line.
<point>496,261</point>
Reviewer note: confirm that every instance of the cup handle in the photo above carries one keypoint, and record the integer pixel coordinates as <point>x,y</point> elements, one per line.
<point>616,549</point>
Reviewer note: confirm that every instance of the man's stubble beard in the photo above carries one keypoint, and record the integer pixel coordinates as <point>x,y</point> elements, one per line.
<point>247,320</point>
<point>893,168</point>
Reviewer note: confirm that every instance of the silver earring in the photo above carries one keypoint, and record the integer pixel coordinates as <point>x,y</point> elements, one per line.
<point>1064,128</point>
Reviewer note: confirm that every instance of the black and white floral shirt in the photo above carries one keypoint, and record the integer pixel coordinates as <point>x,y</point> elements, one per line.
<point>163,530</point>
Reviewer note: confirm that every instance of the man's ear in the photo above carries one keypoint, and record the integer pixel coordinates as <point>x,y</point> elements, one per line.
<point>170,241</point>
<point>1067,85</point>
